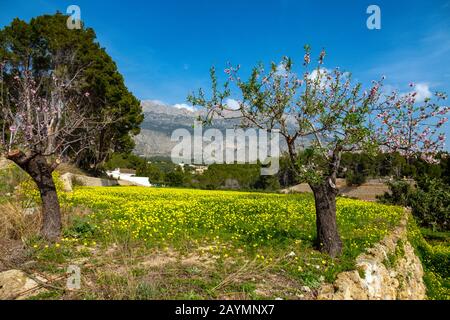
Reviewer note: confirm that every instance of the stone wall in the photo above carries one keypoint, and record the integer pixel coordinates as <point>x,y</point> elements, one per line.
<point>68,178</point>
<point>389,270</point>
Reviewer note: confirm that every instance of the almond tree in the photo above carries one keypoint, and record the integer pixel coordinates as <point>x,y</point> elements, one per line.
<point>320,113</point>
<point>41,118</point>
<point>411,127</point>
<point>45,40</point>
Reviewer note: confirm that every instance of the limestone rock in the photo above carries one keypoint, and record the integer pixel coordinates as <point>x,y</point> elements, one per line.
<point>376,279</point>
<point>15,284</point>
<point>87,181</point>
<point>66,180</point>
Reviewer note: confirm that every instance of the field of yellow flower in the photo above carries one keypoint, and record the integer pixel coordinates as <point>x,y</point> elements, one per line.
<point>169,215</point>
<point>206,244</point>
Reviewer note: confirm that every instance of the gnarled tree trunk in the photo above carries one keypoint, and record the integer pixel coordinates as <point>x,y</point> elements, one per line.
<point>41,173</point>
<point>328,239</point>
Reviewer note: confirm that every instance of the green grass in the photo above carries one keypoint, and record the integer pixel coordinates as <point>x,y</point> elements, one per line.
<point>436,237</point>
<point>146,243</point>
<point>435,256</point>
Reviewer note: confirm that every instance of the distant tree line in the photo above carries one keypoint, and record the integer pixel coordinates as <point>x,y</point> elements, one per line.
<point>356,169</point>
<point>428,197</point>
<point>161,171</point>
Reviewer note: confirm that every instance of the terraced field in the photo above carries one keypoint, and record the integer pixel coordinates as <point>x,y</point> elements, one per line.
<point>177,243</point>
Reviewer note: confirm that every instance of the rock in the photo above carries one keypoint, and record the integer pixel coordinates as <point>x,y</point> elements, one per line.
<point>378,280</point>
<point>291,254</point>
<point>15,284</point>
<point>306,289</point>
<point>30,211</point>
<point>66,180</point>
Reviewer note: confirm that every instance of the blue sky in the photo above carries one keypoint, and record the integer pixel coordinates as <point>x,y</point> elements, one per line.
<point>164,48</point>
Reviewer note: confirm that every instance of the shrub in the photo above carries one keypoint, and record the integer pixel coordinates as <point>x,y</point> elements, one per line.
<point>399,193</point>
<point>80,227</point>
<point>355,178</point>
<point>429,201</point>
<point>431,204</point>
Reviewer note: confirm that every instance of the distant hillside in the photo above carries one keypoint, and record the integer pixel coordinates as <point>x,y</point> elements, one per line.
<point>161,120</point>
<point>159,123</point>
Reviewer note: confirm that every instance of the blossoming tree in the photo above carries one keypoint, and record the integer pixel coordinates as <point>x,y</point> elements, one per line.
<point>41,118</point>
<point>411,126</point>
<point>321,113</point>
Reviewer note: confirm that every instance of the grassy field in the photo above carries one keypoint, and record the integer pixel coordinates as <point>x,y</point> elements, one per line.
<point>147,243</point>
<point>433,249</point>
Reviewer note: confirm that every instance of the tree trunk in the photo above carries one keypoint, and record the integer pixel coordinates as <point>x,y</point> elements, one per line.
<point>328,239</point>
<point>41,173</point>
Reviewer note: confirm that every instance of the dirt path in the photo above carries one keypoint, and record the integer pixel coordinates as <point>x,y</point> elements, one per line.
<point>367,191</point>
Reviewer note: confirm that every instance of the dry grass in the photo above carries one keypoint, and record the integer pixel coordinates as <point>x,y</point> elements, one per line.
<point>17,223</point>
<point>367,191</point>
<point>69,168</point>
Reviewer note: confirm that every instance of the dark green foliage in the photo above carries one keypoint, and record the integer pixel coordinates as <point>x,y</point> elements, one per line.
<point>286,174</point>
<point>436,237</point>
<point>366,165</point>
<point>176,178</point>
<point>355,178</point>
<point>267,183</point>
<point>80,228</point>
<point>161,171</point>
<point>124,160</point>
<point>46,40</point>
<point>220,176</point>
<point>429,201</point>
<point>400,193</point>
<point>431,204</point>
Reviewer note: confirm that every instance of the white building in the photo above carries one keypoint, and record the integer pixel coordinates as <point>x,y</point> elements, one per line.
<point>130,177</point>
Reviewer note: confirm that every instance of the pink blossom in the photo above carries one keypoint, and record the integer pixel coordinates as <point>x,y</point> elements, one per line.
<point>307,59</point>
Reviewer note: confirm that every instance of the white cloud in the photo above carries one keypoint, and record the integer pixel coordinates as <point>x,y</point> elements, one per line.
<point>320,74</point>
<point>281,70</point>
<point>232,104</point>
<point>184,106</point>
<point>423,91</point>
<point>158,102</point>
